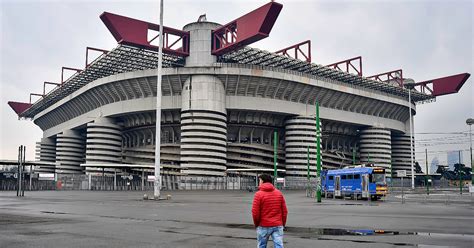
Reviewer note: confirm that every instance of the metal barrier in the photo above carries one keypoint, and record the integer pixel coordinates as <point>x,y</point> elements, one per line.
<point>12,184</point>
<point>133,182</point>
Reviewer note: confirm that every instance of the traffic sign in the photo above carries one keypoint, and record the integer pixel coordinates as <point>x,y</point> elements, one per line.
<point>401,173</point>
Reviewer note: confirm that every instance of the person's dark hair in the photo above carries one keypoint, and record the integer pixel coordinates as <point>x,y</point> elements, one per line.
<point>266,178</point>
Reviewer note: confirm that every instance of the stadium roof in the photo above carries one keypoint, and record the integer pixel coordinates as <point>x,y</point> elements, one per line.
<point>255,56</point>
<point>125,58</point>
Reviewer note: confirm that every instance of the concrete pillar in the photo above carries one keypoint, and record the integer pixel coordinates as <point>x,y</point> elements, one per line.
<point>200,44</point>
<point>375,145</point>
<point>401,152</point>
<point>104,143</point>
<point>46,152</point>
<point>203,127</point>
<point>203,114</point>
<point>300,132</point>
<point>70,148</point>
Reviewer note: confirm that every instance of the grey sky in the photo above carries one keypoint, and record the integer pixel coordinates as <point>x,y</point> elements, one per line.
<point>427,39</point>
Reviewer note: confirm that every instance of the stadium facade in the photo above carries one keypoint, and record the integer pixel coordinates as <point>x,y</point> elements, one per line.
<point>222,101</point>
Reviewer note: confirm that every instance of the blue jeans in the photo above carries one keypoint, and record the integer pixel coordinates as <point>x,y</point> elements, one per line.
<point>264,233</point>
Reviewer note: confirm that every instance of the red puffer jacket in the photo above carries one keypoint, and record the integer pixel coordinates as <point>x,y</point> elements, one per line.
<point>269,207</point>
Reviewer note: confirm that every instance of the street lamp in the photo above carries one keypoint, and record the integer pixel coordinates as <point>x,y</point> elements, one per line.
<point>469,122</point>
<point>410,86</point>
<point>157,181</point>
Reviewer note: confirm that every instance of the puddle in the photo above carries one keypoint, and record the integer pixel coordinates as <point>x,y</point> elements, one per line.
<point>367,242</point>
<point>208,235</point>
<point>13,219</point>
<point>327,234</point>
<point>52,212</point>
<point>35,233</point>
<point>332,234</point>
<point>343,232</point>
<point>326,231</point>
<point>347,232</point>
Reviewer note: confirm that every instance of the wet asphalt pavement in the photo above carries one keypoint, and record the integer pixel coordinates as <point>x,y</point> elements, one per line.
<point>222,219</point>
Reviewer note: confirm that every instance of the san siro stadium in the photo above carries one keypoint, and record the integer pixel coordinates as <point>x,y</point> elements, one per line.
<point>222,103</point>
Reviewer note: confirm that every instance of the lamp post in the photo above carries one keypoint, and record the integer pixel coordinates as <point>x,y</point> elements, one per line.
<point>157,181</point>
<point>275,157</point>
<point>318,155</point>
<point>307,163</point>
<point>469,122</point>
<point>308,186</point>
<point>427,175</point>
<point>410,86</point>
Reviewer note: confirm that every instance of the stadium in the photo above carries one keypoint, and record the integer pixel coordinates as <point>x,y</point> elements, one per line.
<point>222,102</point>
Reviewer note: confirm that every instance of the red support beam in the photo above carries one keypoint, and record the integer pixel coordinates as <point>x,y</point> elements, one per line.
<point>44,86</point>
<point>93,49</point>
<point>245,30</point>
<point>349,65</point>
<point>19,107</point>
<point>134,32</point>
<point>69,69</point>
<point>295,50</point>
<point>35,94</point>
<point>442,86</point>
<point>391,76</point>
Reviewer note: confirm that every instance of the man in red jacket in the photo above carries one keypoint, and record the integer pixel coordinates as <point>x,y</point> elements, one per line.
<point>269,213</point>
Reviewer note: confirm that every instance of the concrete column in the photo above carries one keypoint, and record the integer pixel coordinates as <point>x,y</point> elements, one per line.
<point>203,114</point>
<point>70,149</point>
<point>46,152</point>
<point>375,145</point>
<point>401,152</point>
<point>300,132</point>
<point>200,44</point>
<point>104,143</point>
<point>203,127</point>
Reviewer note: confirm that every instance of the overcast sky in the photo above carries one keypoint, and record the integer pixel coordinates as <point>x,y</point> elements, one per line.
<point>427,39</point>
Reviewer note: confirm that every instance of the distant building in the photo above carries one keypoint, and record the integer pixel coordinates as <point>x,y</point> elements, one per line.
<point>454,157</point>
<point>434,165</point>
